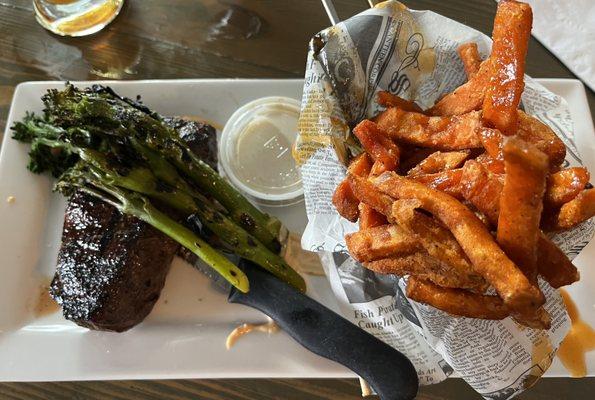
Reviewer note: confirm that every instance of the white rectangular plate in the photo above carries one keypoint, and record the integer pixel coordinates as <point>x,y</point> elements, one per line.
<point>184,336</point>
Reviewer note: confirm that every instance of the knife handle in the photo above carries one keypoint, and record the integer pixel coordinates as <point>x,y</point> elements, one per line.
<point>324,332</point>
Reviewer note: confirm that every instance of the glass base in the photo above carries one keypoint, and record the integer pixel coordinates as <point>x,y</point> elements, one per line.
<point>76,17</point>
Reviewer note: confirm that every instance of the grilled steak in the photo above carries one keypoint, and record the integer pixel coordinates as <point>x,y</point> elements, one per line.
<point>112,267</point>
<point>200,137</point>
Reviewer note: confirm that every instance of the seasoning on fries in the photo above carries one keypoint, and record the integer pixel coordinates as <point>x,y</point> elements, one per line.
<point>381,242</point>
<point>456,301</point>
<point>460,197</point>
<point>456,132</point>
<point>440,161</point>
<point>512,29</point>
<point>470,58</point>
<point>521,204</point>
<point>478,244</point>
<point>448,181</point>
<point>465,98</point>
<point>565,185</point>
<point>575,211</point>
<point>387,99</point>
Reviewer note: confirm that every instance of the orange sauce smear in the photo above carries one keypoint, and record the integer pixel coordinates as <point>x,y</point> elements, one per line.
<point>579,341</point>
<point>45,304</point>
<point>244,329</point>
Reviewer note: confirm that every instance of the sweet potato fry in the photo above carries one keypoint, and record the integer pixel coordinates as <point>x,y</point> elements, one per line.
<point>367,193</point>
<point>443,133</point>
<point>554,266</point>
<point>414,263</point>
<point>456,301</point>
<point>492,142</point>
<point>467,97</point>
<point>387,99</point>
<point>361,165</point>
<point>539,320</point>
<point>419,264</point>
<point>380,147</point>
<point>531,130</point>
<point>378,168</point>
<point>512,29</point>
<point>369,218</point>
<point>438,242</point>
<point>521,204</point>
<point>381,242</point>
<point>440,161</point>
<point>565,185</point>
<point>578,210</point>
<point>482,189</point>
<point>445,181</point>
<point>345,201</point>
<point>411,156</point>
<point>485,255</point>
<point>470,57</point>
<point>493,165</point>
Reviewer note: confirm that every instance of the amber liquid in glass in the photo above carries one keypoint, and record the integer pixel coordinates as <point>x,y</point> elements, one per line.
<point>76,17</point>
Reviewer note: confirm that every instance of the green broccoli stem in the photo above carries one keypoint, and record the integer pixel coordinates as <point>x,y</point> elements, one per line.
<point>48,152</point>
<point>32,127</point>
<point>133,204</point>
<point>163,170</point>
<point>144,181</point>
<point>92,109</point>
<point>246,246</point>
<point>262,226</point>
<point>55,144</point>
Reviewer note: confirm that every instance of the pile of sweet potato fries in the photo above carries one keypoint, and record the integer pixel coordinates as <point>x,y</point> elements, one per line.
<point>458,197</point>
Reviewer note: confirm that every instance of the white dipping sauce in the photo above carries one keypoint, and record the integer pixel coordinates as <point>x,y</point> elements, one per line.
<point>255,149</point>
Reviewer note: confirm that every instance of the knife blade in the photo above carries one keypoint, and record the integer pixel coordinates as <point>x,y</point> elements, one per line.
<point>322,331</point>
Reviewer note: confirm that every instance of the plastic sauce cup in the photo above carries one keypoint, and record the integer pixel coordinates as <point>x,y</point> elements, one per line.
<point>255,151</point>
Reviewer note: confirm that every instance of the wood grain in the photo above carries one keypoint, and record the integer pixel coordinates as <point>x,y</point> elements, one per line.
<point>178,39</point>
<point>267,389</point>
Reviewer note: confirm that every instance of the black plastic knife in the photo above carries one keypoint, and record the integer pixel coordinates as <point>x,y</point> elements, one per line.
<point>324,332</point>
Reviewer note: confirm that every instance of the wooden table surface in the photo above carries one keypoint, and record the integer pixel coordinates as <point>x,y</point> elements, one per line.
<point>185,39</point>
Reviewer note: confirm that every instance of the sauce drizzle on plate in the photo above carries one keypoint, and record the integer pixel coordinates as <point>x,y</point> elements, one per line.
<point>45,304</point>
<point>580,340</point>
<point>244,329</point>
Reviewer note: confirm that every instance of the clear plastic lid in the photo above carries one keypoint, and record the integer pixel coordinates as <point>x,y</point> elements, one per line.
<point>255,150</point>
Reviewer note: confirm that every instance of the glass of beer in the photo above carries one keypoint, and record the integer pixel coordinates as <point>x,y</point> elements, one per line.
<point>76,17</point>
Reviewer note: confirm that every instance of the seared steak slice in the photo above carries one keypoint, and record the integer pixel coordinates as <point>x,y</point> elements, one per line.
<point>112,267</point>
<point>200,137</point>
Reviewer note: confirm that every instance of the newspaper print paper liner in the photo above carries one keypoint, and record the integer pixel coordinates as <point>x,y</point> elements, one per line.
<point>413,54</point>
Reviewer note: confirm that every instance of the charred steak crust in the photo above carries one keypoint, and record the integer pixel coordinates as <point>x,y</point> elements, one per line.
<point>112,267</point>
<point>200,137</point>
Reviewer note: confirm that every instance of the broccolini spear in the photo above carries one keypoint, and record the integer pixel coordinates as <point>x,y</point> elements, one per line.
<point>99,109</point>
<point>45,154</point>
<point>176,193</point>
